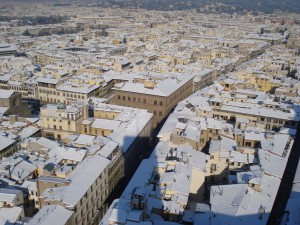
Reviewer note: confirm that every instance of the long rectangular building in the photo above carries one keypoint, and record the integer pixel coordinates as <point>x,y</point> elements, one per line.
<point>158,96</point>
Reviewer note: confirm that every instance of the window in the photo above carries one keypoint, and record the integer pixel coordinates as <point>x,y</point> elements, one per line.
<point>212,157</point>
<point>160,113</point>
<point>248,144</point>
<point>134,99</point>
<point>144,101</point>
<point>129,99</point>
<point>160,103</point>
<point>155,102</point>
<point>124,98</point>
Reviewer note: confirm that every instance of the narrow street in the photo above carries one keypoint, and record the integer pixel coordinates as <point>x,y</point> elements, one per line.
<point>286,183</point>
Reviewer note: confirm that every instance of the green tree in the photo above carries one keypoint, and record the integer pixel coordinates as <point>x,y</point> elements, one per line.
<point>26,33</point>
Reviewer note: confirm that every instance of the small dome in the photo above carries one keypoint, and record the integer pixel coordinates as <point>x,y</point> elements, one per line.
<point>61,106</point>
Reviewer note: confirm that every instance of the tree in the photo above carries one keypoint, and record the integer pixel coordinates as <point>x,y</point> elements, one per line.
<point>43,33</point>
<point>26,33</point>
<point>104,32</point>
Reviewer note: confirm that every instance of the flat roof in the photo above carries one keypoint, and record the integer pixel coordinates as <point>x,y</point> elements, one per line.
<point>106,124</point>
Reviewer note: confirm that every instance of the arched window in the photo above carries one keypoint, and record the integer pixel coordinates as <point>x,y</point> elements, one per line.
<point>15,102</point>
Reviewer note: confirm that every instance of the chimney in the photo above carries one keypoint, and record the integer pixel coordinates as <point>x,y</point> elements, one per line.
<point>149,84</point>
<point>13,119</point>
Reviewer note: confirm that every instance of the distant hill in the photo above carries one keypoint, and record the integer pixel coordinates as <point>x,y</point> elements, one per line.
<point>228,6</point>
